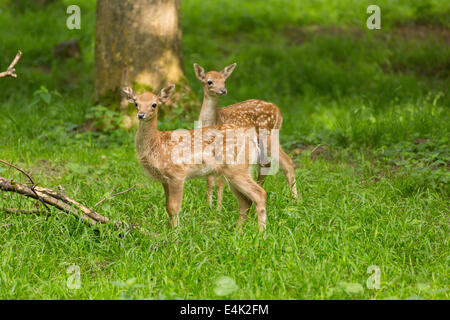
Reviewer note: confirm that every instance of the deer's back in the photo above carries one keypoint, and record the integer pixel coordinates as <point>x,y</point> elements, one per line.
<point>254,113</point>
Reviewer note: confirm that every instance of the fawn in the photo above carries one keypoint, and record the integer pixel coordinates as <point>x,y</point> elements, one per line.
<point>157,153</point>
<point>250,113</point>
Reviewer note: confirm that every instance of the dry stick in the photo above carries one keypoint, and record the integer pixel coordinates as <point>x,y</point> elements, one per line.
<point>29,178</point>
<point>11,72</point>
<point>63,203</point>
<point>10,185</point>
<point>58,200</point>
<point>19,169</point>
<point>95,205</point>
<point>114,195</point>
<point>32,211</point>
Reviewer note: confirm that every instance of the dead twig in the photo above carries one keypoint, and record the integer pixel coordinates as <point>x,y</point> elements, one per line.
<point>43,194</point>
<point>19,169</point>
<point>59,200</point>
<point>110,195</point>
<point>11,71</point>
<point>63,203</point>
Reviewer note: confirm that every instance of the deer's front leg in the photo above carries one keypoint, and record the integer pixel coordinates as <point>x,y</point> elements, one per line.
<point>220,186</point>
<point>210,181</point>
<point>174,197</point>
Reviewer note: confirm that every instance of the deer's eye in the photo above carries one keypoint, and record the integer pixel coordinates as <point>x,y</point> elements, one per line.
<point>210,82</point>
<point>136,104</point>
<point>154,105</point>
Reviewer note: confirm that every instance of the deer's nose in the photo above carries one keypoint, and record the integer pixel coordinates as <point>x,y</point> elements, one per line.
<point>141,115</point>
<point>223,91</point>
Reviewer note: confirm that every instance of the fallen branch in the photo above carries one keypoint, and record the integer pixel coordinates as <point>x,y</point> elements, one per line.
<point>11,71</point>
<point>58,200</point>
<point>61,202</point>
<point>48,196</point>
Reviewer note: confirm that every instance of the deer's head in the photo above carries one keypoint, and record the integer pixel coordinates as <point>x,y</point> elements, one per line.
<point>213,81</point>
<point>147,103</point>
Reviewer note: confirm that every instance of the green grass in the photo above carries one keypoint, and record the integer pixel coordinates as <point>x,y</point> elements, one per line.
<point>366,118</point>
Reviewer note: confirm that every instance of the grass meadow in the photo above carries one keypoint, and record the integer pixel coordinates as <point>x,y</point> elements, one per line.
<point>366,116</point>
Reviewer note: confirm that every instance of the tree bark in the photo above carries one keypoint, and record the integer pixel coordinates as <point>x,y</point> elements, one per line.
<point>140,39</point>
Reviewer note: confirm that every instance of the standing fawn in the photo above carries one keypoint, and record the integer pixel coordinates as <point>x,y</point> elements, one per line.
<point>250,113</point>
<point>158,152</point>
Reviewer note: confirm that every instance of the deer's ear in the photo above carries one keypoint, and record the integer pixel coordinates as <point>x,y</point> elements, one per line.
<point>165,93</point>
<point>227,71</point>
<point>199,72</point>
<point>129,93</point>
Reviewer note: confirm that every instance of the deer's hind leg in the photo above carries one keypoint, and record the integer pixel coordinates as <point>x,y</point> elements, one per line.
<point>287,165</point>
<point>244,205</point>
<point>262,177</point>
<point>278,158</point>
<point>242,181</point>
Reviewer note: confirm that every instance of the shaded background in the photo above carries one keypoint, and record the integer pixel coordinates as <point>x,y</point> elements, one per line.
<point>331,76</point>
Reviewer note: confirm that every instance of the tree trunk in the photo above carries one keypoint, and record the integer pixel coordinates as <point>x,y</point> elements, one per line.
<point>137,43</point>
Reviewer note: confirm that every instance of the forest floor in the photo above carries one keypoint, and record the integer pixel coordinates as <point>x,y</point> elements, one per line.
<point>366,117</point>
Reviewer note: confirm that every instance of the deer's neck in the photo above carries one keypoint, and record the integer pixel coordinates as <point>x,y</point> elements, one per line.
<point>147,136</point>
<point>208,113</point>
